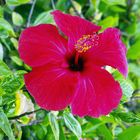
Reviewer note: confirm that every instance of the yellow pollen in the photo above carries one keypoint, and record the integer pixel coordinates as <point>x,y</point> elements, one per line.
<point>86,42</point>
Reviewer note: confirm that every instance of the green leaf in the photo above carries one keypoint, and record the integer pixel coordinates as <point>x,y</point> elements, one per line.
<point>44,17</point>
<point>17,19</point>
<point>132,26</point>
<point>61,5</point>
<point>115,2</point>
<point>62,135</point>
<point>95,4</point>
<point>117,9</point>
<point>14,42</point>
<point>11,83</point>
<point>40,131</point>
<point>125,85</point>
<point>131,133</point>
<point>5,126</point>
<point>54,125</point>
<point>17,130</point>
<point>1,10</point>
<point>89,127</point>
<point>0,99</point>
<point>6,28</point>
<point>72,124</point>
<point>17,60</point>
<point>127,117</point>
<point>109,22</point>
<point>17,2</point>
<point>1,134</point>
<point>4,69</point>
<point>50,135</point>
<point>135,69</point>
<point>127,89</point>
<point>134,51</point>
<point>103,130</point>
<point>1,52</point>
<point>3,33</point>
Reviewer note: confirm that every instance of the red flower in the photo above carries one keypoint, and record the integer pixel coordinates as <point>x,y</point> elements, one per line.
<point>71,71</point>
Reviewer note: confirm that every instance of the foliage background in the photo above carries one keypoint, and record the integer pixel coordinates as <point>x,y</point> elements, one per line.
<point>21,118</point>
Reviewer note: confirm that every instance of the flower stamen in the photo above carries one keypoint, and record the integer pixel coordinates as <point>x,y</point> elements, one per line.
<point>86,42</point>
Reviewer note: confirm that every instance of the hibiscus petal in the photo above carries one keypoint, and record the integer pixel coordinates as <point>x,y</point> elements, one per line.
<point>97,94</point>
<point>110,51</point>
<point>73,26</point>
<point>41,44</point>
<point>52,88</point>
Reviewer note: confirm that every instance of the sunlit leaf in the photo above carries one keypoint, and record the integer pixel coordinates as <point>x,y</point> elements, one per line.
<point>6,28</point>
<point>44,17</point>
<point>11,83</point>
<point>131,133</point>
<point>17,19</point>
<point>15,42</point>
<point>126,88</point>
<point>17,60</point>
<point>134,51</point>
<point>54,125</point>
<point>72,124</point>
<point>5,126</point>
<point>135,69</point>
<point>125,85</point>
<point>109,22</point>
<point>115,2</point>
<point>4,69</point>
<point>17,2</point>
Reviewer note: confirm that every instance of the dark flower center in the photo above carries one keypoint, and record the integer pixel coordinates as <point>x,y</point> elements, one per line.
<point>83,44</point>
<point>76,66</point>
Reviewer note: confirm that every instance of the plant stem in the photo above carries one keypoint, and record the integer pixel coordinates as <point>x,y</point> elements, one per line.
<point>53,5</point>
<point>24,114</point>
<point>30,13</point>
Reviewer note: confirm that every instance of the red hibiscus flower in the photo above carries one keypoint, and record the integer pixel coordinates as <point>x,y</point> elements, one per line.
<point>70,71</point>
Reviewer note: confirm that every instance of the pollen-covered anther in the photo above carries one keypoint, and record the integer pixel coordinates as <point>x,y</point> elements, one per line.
<point>86,42</point>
